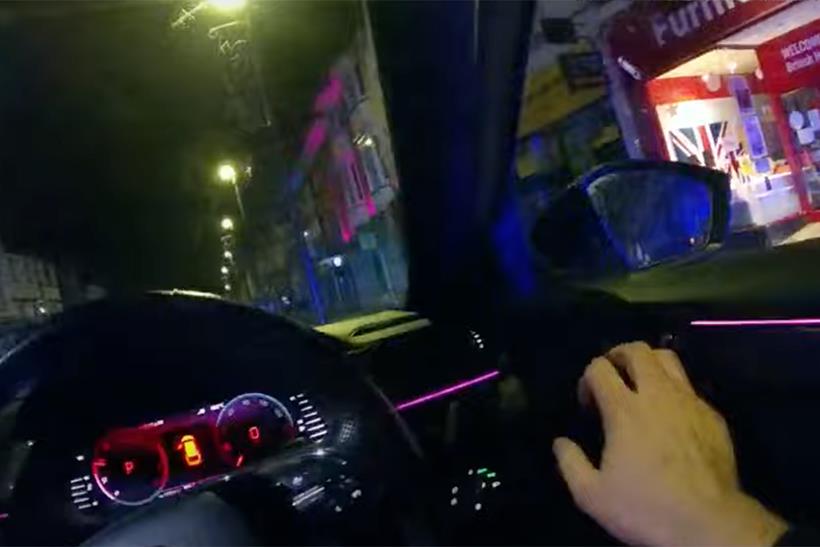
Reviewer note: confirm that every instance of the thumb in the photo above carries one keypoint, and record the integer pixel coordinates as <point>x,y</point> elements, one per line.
<point>578,472</point>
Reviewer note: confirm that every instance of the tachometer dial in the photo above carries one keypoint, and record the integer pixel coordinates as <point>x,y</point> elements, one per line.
<point>130,470</point>
<point>252,426</point>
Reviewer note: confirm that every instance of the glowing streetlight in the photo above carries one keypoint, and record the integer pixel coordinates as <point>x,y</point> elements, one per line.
<point>228,5</point>
<point>226,173</point>
<point>227,287</point>
<point>224,270</point>
<point>226,223</point>
<point>228,255</point>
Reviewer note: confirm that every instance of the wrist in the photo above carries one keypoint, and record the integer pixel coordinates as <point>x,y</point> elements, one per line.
<point>742,520</point>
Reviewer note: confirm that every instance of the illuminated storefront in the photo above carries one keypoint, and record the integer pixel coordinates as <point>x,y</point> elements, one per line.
<point>731,85</point>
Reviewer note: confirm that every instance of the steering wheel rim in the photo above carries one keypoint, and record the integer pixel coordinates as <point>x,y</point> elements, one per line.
<point>369,409</point>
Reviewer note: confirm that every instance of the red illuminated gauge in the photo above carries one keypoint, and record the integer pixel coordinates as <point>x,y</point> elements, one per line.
<point>253,426</point>
<point>130,470</point>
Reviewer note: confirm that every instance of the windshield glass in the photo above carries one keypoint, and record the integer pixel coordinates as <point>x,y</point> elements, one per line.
<point>242,148</point>
<point>733,86</point>
<point>232,147</point>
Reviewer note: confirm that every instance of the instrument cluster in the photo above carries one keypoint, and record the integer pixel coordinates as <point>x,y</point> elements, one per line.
<point>133,466</point>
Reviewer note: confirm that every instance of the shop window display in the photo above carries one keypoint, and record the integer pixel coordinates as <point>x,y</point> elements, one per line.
<point>803,108</point>
<point>738,91</point>
<point>714,111</point>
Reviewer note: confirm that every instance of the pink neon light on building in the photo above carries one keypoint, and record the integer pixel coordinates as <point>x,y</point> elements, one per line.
<point>315,138</point>
<point>369,204</point>
<point>330,96</point>
<point>347,235</point>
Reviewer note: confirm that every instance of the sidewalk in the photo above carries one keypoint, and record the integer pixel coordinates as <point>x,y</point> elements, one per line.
<point>809,231</point>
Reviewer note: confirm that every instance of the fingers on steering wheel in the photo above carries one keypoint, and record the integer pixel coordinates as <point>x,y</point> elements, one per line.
<point>639,362</point>
<point>602,384</point>
<point>673,367</point>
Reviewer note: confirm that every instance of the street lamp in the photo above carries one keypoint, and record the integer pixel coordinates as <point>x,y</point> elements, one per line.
<point>226,223</point>
<point>224,270</point>
<point>228,5</point>
<point>226,172</point>
<point>228,255</point>
<point>364,140</point>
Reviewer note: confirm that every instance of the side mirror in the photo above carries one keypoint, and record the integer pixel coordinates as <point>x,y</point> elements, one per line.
<point>632,215</point>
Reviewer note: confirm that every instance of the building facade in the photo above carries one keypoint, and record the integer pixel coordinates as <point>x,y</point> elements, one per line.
<point>29,289</point>
<point>345,249</point>
<point>732,85</point>
<point>356,239</point>
<point>567,124</point>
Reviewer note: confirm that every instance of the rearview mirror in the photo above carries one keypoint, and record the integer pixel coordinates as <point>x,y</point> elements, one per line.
<point>632,215</point>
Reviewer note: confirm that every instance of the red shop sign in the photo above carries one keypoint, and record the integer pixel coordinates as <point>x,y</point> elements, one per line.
<point>792,60</point>
<point>657,36</point>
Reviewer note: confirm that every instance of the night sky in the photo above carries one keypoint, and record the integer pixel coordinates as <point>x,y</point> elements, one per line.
<point>113,124</point>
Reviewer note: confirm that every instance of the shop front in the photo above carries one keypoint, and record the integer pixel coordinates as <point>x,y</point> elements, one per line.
<point>564,129</point>
<point>730,85</point>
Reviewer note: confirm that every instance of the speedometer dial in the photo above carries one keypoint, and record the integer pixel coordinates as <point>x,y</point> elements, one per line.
<point>253,426</point>
<point>130,470</point>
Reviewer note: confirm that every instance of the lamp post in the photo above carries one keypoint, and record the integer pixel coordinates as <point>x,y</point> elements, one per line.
<point>187,15</point>
<point>236,43</point>
<point>226,172</point>
<point>227,226</point>
<point>227,5</point>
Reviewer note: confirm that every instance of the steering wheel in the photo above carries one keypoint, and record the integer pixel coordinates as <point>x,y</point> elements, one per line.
<point>363,483</point>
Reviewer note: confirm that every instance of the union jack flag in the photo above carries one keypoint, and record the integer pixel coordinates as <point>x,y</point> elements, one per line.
<point>713,145</point>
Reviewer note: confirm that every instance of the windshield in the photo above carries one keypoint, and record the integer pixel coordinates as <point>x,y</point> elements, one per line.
<point>238,148</point>
<point>242,148</point>
<point>733,86</point>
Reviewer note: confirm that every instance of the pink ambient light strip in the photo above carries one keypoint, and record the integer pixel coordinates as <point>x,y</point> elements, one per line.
<point>447,390</point>
<point>804,322</point>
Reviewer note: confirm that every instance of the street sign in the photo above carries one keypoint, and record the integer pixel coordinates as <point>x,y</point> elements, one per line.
<point>582,70</point>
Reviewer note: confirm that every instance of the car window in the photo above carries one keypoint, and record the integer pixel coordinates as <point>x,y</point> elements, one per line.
<point>734,86</point>
<point>242,147</point>
<point>233,147</point>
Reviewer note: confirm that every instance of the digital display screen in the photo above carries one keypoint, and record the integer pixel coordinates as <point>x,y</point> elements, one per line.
<point>193,453</point>
<point>164,457</point>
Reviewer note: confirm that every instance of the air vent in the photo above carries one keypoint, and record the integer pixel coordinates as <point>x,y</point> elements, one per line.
<point>477,340</point>
<point>382,325</point>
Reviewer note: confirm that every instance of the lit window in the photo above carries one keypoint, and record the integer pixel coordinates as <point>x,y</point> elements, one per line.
<point>376,176</point>
<point>353,173</point>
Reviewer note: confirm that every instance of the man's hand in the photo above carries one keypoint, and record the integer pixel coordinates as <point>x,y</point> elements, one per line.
<point>667,473</point>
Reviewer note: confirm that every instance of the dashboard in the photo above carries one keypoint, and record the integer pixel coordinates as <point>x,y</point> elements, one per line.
<point>95,442</point>
<point>133,466</point>
<point>98,443</point>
